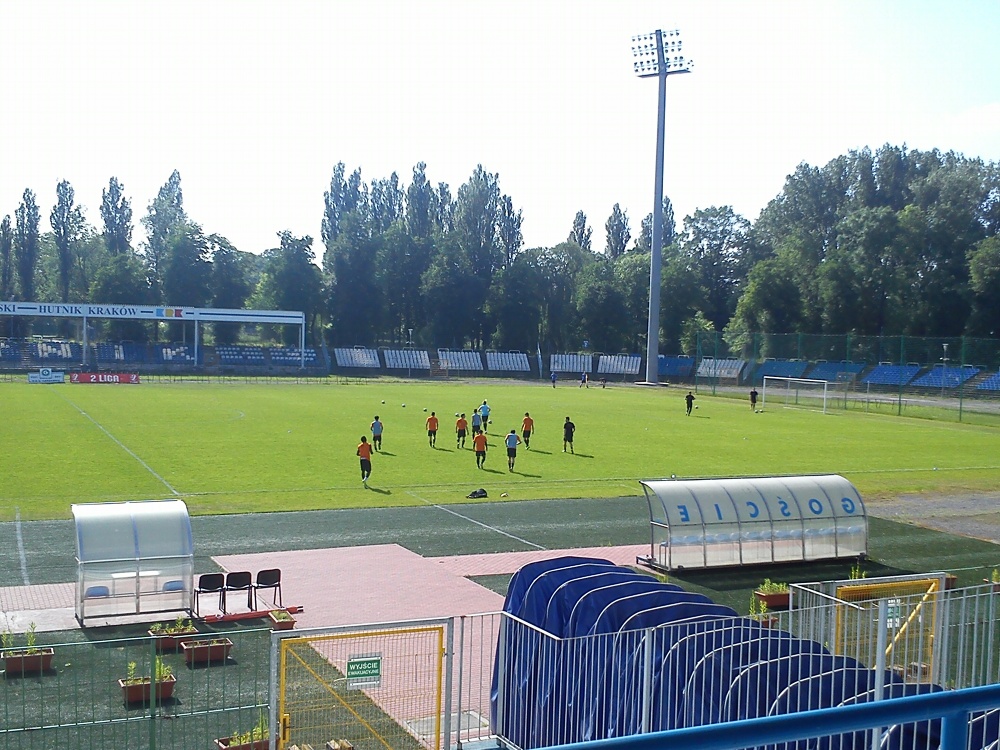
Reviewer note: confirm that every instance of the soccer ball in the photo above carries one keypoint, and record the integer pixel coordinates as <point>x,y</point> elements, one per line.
<point>504,494</point>
<point>425,408</point>
<point>491,421</point>
<point>696,407</point>
<point>383,401</point>
<point>404,406</point>
<point>456,413</point>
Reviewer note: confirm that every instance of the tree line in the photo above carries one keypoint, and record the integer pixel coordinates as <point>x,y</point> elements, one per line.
<point>890,242</point>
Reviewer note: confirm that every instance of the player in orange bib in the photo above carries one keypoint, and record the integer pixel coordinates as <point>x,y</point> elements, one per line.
<point>365,454</point>
<point>461,430</point>
<point>479,445</point>
<point>432,430</point>
<point>527,427</point>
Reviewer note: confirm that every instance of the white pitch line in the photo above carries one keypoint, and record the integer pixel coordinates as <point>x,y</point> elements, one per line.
<point>477,523</point>
<point>124,447</point>
<point>20,546</point>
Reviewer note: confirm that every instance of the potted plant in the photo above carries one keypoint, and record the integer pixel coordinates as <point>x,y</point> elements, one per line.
<point>254,739</point>
<point>773,594</point>
<point>280,619</point>
<point>994,580</point>
<point>170,634</point>
<point>138,689</point>
<point>758,612</point>
<point>28,660</point>
<point>206,650</point>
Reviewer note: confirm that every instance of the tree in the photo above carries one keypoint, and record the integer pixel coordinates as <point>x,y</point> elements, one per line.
<point>343,197</point>
<point>420,200</point>
<point>386,203</point>
<point>230,283</point>
<point>445,285</point>
<point>67,223</point>
<point>602,315</point>
<point>116,212</point>
<point>632,277</point>
<point>618,233</point>
<point>186,268</point>
<point>515,303</point>
<point>122,280</point>
<point>581,234</point>
<point>290,280</point>
<point>476,228</point>
<point>509,231</point>
<point>984,280</point>
<point>6,259</point>
<point>164,215</point>
<point>26,244</point>
<point>716,242</point>
<point>644,242</point>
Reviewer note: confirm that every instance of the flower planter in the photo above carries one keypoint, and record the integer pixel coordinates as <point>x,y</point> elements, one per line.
<point>994,586</point>
<point>138,691</point>
<point>284,624</point>
<point>773,600</point>
<point>223,744</point>
<point>206,651</point>
<point>767,622</point>
<point>172,641</point>
<point>20,662</point>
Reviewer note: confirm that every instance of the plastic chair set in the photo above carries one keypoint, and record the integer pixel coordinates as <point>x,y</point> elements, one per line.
<point>222,583</point>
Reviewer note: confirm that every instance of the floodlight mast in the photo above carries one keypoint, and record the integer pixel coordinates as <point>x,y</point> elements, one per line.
<point>657,54</point>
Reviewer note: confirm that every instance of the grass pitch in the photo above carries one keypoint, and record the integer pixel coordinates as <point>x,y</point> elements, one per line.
<point>245,447</point>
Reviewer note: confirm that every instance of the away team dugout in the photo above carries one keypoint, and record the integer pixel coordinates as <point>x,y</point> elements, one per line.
<point>708,523</point>
<point>133,558</point>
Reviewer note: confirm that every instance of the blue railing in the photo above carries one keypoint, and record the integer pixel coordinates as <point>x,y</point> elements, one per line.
<point>952,707</point>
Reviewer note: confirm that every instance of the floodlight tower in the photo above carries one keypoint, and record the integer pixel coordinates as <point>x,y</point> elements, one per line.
<point>657,55</point>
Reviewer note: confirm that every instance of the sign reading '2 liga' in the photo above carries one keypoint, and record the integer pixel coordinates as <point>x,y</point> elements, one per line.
<point>115,378</point>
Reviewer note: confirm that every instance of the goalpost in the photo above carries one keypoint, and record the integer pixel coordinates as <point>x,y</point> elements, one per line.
<point>800,392</point>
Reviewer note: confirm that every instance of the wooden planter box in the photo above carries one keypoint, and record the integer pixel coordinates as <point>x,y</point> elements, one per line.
<point>277,624</point>
<point>139,692</point>
<point>776,600</point>
<point>767,622</point>
<point>223,744</point>
<point>995,586</point>
<point>206,651</point>
<point>172,641</point>
<point>18,661</point>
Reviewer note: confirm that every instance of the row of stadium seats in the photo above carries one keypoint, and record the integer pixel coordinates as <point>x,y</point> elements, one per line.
<point>460,360</point>
<point>619,364</point>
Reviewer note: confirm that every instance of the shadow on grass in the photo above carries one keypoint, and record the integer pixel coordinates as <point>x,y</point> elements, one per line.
<point>380,491</point>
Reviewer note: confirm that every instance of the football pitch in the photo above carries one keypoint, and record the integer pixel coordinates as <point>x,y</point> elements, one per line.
<point>240,447</point>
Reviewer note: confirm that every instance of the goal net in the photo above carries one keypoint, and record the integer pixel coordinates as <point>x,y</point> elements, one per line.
<point>802,393</point>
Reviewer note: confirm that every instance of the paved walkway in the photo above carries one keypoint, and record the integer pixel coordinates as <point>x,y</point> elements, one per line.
<point>339,586</point>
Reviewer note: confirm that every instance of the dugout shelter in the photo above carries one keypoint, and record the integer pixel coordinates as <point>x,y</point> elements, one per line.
<point>711,523</point>
<point>133,558</point>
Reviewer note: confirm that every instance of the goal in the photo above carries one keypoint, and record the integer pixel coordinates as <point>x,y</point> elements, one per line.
<point>802,393</point>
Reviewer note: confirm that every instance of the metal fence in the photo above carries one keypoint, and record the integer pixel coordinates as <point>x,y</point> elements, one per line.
<point>77,702</point>
<point>866,641</point>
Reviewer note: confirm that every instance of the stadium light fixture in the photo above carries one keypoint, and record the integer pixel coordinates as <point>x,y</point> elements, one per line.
<point>658,54</point>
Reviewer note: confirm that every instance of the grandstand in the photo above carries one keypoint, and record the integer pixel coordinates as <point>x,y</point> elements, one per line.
<point>232,354</point>
<point>680,367</point>
<point>507,362</point>
<point>886,373</point>
<point>125,353</point>
<point>941,376</point>
<point>992,383</point>
<point>174,354</point>
<point>723,369</point>
<point>619,364</point>
<point>834,371</point>
<point>575,363</point>
<point>357,356</point>
<point>293,356</point>
<point>47,353</point>
<point>406,359</point>
<point>460,360</point>
<point>780,368</point>
<point>10,351</point>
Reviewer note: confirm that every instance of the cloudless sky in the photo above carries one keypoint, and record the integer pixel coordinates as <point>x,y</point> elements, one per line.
<point>255,102</point>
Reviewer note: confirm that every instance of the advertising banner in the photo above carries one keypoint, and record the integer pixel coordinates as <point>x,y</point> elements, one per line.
<point>115,378</point>
<point>47,375</point>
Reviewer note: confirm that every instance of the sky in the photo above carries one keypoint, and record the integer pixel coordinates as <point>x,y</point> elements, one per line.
<point>254,102</point>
